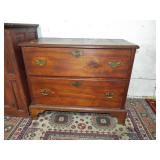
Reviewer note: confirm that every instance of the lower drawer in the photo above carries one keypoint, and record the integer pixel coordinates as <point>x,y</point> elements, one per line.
<point>90,92</point>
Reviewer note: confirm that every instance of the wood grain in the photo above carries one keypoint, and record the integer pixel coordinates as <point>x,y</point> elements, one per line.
<point>16,94</point>
<point>82,75</point>
<point>90,63</point>
<point>80,43</point>
<point>90,92</point>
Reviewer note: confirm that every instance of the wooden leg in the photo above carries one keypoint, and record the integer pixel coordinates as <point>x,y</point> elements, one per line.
<point>34,112</point>
<point>122,118</point>
<point>120,115</point>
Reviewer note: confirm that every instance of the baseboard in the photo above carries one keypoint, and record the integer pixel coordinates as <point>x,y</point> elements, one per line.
<point>142,97</point>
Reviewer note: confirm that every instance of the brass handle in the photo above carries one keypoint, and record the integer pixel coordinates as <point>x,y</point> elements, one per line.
<point>114,64</point>
<point>76,84</point>
<point>109,94</point>
<point>45,92</point>
<point>40,62</point>
<point>76,53</point>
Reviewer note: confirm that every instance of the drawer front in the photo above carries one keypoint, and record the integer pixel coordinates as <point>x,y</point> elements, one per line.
<point>77,62</point>
<point>78,92</point>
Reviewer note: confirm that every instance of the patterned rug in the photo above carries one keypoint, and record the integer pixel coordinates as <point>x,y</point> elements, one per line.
<point>152,104</point>
<point>140,125</point>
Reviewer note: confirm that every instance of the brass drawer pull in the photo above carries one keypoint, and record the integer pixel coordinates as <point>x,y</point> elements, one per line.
<point>76,84</point>
<point>114,64</point>
<point>109,94</point>
<point>40,62</point>
<point>76,53</point>
<point>45,92</point>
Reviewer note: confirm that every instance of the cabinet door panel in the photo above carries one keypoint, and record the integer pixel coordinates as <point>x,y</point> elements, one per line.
<point>16,95</point>
<point>9,97</point>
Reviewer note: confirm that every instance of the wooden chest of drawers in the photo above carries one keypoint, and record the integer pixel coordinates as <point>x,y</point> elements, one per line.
<point>84,75</point>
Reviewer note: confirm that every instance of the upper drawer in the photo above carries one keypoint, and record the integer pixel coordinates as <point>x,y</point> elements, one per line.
<point>78,62</point>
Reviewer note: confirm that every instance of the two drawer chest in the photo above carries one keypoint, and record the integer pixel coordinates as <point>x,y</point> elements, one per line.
<point>84,75</point>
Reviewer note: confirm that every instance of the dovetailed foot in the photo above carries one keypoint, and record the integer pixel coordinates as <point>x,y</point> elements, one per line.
<point>35,112</point>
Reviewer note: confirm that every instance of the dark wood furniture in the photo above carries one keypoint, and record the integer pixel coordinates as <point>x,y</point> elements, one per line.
<point>84,75</point>
<point>16,95</point>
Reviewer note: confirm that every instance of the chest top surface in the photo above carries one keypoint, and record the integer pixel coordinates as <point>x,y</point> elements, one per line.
<point>79,43</point>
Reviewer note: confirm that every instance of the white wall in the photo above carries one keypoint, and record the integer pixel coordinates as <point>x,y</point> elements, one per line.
<point>140,32</point>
